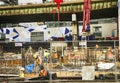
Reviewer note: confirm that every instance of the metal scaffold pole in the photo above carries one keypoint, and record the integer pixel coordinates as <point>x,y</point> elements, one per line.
<point>119,20</point>
<point>116,77</point>
<point>119,26</point>
<point>51,61</point>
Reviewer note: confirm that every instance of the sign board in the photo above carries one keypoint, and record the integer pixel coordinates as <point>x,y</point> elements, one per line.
<point>82,43</point>
<point>18,44</point>
<point>88,72</point>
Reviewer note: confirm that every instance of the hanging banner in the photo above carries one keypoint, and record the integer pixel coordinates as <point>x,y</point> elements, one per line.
<point>86,15</point>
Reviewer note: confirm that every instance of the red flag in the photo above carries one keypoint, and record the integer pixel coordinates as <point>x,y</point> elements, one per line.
<point>86,14</point>
<point>58,5</point>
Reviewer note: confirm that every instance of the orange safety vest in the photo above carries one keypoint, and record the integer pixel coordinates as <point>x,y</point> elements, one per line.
<point>37,61</point>
<point>43,72</point>
<point>55,56</point>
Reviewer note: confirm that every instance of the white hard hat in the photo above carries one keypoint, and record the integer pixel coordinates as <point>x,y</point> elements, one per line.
<point>22,69</point>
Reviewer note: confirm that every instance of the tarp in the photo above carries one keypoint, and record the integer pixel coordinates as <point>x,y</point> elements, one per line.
<point>29,68</point>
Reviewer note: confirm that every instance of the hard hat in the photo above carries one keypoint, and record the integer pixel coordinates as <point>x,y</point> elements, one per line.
<point>22,69</point>
<point>46,54</point>
<point>35,55</point>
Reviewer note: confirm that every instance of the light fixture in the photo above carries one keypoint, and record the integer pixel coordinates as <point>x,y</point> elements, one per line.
<point>74,17</point>
<point>2,3</point>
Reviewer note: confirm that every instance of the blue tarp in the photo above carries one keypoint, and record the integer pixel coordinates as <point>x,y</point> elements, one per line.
<point>29,68</point>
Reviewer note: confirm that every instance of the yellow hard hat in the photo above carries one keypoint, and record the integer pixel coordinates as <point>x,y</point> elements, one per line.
<point>35,55</point>
<point>46,54</point>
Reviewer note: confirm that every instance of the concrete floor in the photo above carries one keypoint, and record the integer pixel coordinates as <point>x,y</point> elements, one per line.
<point>56,81</point>
<point>88,82</point>
<point>39,81</point>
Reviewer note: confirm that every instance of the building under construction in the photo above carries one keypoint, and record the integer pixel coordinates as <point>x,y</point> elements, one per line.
<point>74,40</point>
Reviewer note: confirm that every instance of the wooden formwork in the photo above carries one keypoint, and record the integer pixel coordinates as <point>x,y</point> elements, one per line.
<point>11,63</point>
<point>10,66</point>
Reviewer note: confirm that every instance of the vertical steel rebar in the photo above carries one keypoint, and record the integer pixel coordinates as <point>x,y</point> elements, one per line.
<point>116,78</point>
<point>119,26</point>
<point>50,61</point>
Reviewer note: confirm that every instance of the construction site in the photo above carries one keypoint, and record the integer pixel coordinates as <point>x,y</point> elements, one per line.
<point>59,41</point>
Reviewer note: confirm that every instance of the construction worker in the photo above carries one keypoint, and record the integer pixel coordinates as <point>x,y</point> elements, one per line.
<point>44,74</point>
<point>55,57</point>
<point>22,72</point>
<point>46,55</point>
<point>38,62</point>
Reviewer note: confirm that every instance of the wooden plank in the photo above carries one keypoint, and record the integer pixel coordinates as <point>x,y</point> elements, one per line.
<point>9,75</point>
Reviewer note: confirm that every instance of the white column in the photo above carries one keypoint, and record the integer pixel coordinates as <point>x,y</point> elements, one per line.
<point>74,25</point>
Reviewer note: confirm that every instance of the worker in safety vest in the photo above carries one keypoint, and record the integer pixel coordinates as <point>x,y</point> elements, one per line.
<point>55,57</point>
<point>38,62</point>
<point>22,73</point>
<point>46,56</point>
<point>44,74</point>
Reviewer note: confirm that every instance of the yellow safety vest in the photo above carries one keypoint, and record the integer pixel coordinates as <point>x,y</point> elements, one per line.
<point>22,75</point>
